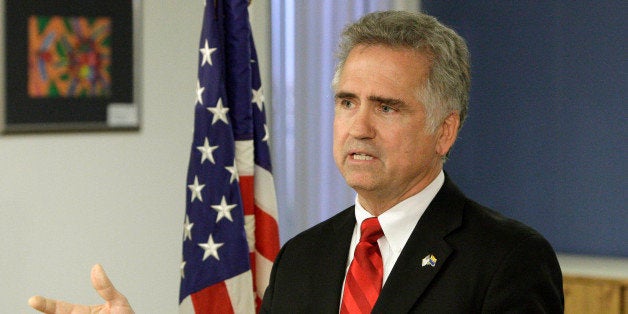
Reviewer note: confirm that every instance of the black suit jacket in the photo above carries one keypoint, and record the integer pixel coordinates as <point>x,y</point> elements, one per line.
<point>486,263</point>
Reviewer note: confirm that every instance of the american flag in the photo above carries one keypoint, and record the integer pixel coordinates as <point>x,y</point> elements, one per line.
<point>230,234</point>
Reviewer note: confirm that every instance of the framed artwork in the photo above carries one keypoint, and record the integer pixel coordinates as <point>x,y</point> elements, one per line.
<point>68,66</point>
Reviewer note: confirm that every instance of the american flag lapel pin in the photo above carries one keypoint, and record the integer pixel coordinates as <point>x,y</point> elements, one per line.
<point>429,260</point>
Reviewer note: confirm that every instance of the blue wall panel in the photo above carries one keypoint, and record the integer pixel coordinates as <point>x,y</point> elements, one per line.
<point>546,139</point>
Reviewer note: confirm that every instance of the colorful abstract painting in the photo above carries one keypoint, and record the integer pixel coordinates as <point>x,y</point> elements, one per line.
<point>69,56</point>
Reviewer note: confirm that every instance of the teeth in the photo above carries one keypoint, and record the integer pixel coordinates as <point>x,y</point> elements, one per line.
<point>362,157</point>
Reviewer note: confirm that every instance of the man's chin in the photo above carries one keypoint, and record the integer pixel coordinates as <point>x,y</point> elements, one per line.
<point>361,185</point>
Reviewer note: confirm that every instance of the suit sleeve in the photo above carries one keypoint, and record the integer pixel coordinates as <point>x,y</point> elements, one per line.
<point>528,280</point>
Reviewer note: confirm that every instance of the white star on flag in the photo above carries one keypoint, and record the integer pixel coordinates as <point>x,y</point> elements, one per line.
<point>211,248</point>
<point>258,98</point>
<point>182,267</point>
<point>224,210</point>
<point>234,172</point>
<point>187,228</point>
<point>207,151</point>
<point>196,190</point>
<point>199,92</point>
<point>219,112</point>
<point>207,54</point>
<point>266,134</point>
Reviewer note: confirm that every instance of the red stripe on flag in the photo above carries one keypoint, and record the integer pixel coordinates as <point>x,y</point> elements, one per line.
<point>248,195</point>
<point>258,301</point>
<point>253,269</point>
<point>213,299</point>
<point>266,234</point>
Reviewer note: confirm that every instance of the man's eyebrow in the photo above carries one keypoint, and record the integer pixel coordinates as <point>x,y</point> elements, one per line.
<point>341,95</point>
<point>379,99</point>
<point>387,101</point>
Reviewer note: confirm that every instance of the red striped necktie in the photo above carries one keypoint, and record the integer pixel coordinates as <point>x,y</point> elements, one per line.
<point>364,278</point>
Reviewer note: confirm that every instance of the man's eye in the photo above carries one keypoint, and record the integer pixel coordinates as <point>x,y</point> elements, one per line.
<point>346,103</point>
<point>387,109</point>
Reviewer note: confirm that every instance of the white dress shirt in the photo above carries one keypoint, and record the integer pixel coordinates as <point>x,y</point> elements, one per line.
<point>397,224</point>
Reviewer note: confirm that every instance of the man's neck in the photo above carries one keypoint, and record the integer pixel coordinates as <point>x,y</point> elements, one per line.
<point>378,203</point>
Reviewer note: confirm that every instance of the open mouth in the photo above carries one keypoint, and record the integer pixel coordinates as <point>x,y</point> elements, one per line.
<point>359,156</point>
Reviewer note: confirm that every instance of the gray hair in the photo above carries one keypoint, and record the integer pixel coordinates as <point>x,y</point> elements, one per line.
<point>447,87</point>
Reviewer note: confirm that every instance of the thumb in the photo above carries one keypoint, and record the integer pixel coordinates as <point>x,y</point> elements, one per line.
<point>103,285</point>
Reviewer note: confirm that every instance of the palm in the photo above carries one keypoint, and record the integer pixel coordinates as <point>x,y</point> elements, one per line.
<point>61,307</point>
<point>115,302</point>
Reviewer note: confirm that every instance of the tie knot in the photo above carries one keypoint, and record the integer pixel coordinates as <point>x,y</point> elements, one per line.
<point>371,230</point>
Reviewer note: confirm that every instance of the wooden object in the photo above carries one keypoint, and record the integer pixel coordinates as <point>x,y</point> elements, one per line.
<point>595,285</point>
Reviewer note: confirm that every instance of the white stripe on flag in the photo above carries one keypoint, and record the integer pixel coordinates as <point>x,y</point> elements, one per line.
<point>249,227</point>
<point>263,267</point>
<point>244,157</point>
<point>186,306</point>
<point>265,191</point>
<point>240,289</point>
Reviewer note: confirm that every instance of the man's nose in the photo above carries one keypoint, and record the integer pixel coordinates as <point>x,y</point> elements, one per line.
<point>362,124</point>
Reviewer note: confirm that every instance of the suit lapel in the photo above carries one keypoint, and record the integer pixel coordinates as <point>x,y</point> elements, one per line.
<point>409,279</point>
<point>336,239</point>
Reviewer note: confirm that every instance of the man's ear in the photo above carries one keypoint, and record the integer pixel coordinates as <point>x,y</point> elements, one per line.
<point>448,133</point>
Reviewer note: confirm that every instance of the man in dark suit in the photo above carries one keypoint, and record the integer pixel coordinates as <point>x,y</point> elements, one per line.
<point>401,90</point>
<point>412,243</point>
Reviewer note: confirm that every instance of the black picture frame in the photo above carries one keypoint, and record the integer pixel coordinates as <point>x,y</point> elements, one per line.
<point>114,109</point>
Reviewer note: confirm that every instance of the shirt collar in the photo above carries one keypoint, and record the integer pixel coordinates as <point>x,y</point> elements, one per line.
<point>399,221</point>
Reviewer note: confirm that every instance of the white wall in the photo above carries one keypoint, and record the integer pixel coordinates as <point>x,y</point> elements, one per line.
<point>68,201</point>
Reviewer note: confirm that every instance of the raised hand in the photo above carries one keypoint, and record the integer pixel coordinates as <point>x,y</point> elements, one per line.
<point>115,302</point>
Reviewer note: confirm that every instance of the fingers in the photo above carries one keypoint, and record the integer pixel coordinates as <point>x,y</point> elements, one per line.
<point>42,304</point>
<point>104,287</point>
